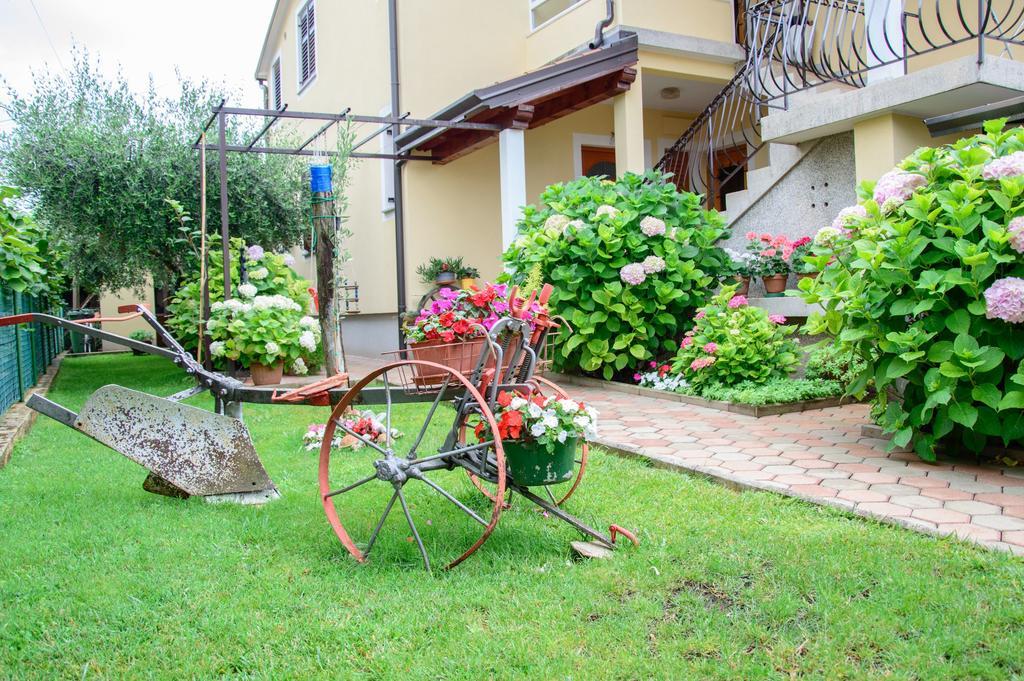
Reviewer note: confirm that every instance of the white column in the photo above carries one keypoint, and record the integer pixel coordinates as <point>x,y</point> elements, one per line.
<point>883,21</point>
<point>629,129</point>
<point>512,162</point>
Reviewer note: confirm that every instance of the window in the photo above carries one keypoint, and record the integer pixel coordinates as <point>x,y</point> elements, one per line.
<point>275,84</point>
<point>543,11</point>
<point>387,170</point>
<point>306,44</point>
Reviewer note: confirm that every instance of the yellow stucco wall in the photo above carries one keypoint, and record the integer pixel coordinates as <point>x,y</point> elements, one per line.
<point>881,142</point>
<point>109,302</point>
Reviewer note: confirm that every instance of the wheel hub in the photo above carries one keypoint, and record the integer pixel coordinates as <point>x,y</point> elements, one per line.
<point>391,469</point>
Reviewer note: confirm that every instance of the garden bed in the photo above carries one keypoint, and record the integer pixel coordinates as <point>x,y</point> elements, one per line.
<point>755,410</point>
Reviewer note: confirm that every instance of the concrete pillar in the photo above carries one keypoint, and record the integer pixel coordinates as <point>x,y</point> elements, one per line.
<point>883,36</point>
<point>512,172</point>
<point>881,142</point>
<point>629,129</point>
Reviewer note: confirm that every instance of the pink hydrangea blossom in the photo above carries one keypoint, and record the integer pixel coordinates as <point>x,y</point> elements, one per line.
<point>848,215</point>
<point>895,187</point>
<point>687,342</point>
<point>710,348</point>
<point>633,274</point>
<point>653,264</point>
<point>1004,299</point>
<point>1016,229</point>
<point>737,301</point>
<point>701,362</point>
<point>1004,166</point>
<point>776,319</point>
<point>701,314</point>
<point>652,226</point>
<point>254,252</point>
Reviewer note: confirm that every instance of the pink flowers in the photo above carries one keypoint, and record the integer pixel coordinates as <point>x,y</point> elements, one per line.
<point>687,342</point>
<point>652,226</point>
<point>701,362</point>
<point>653,264</point>
<point>1004,166</point>
<point>701,313</point>
<point>895,187</point>
<point>849,215</point>
<point>776,319</point>
<point>710,348</point>
<point>633,274</point>
<point>1004,300</point>
<point>1016,229</point>
<point>737,301</point>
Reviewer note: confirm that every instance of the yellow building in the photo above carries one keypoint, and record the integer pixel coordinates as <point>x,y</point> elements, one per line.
<point>564,109</point>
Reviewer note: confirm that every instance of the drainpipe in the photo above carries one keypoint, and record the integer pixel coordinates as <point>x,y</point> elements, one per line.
<point>603,24</point>
<point>399,204</point>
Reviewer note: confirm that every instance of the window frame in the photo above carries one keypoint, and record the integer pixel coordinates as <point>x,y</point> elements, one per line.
<point>301,85</point>
<point>535,4</point>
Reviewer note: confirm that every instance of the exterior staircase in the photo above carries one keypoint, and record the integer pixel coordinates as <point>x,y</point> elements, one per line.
<point>781,159</point>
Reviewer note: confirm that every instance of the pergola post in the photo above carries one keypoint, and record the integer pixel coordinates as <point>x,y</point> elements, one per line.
<point>629,129</point>
<point>225,245</point>
<point>512,173</point>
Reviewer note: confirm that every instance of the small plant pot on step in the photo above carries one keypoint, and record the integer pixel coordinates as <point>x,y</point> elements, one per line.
<point>744,285</point>
<point>774,285</point>
<point>445,279</point>
<point>264,375</point>
<point>531,464</point>
<point>467,282</point>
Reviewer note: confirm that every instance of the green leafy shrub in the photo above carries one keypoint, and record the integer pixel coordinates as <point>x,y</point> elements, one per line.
<point>27,265</point>
<point>141,335</point>
<point>925,284</point>
<point>629,259</point>
<point>732,343</point>
<point>278,279</point>
<point>774,391</point>
<point>834,362</point>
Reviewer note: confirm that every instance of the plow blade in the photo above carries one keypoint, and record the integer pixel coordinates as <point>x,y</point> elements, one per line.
<point>197,451</point>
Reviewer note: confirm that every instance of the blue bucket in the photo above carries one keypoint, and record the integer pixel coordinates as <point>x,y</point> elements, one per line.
<point>320,178</point>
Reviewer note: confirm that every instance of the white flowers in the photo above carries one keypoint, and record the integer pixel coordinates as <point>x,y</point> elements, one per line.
<point>272,348</point>
<point>308,322</point>
<point>610,211</point>
<point>652,226</point>
<point>653,264</point>
<point>557,223</point>
<point>259,273</point>
<point>275,302</point>
<point>289,259</point>
<point>299,367</point>
<point>217,349</point>
<point>517,403</point>
<point>308,341</point>
<point>247,291</point>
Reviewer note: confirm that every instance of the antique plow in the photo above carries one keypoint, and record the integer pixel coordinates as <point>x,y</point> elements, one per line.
<point>194,452</point>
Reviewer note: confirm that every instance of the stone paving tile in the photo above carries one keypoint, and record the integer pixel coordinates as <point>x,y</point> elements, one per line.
<point>821,456</point>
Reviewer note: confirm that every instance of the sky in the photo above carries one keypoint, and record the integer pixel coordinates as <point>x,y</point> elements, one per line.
<point>218,40</point>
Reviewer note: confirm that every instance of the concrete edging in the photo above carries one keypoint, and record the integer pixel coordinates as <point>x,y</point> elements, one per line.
<point>757,411</point>
<point>18,419</point>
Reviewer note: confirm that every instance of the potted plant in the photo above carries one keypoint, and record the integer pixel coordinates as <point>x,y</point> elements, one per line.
<point>771,260</point>
<point>742,268</point>
<point>262,333</point>
<point>142,336</point>
<point>540,436</point>
<point>467,275</point>
<point>801,268</point>
<point>439,271</point>
<point>450,331</point>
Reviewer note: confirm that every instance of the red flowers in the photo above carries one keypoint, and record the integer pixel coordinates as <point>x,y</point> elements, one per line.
<point>510,425</point>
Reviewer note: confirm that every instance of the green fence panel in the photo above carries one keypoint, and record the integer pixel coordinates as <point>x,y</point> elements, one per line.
<point>10,390</point>
<point>26,350</point>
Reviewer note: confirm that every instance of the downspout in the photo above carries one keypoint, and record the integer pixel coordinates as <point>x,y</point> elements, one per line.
<point>397,165</point>
<point>603,24</point>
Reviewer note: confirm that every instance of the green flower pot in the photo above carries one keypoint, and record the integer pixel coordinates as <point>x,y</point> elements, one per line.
<point>531,464</point>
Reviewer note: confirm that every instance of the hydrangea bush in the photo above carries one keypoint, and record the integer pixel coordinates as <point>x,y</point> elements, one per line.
<point>264,329</point>
<point>925,281</point>
<point>629,260</point>
<point>269,274</point>
<point>732,343</point>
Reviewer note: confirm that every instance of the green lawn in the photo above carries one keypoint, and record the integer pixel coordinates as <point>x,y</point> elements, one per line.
<point>101,579</point>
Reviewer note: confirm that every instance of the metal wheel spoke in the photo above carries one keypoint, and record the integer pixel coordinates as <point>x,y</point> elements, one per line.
<point>359,437</point>
<point>550,495</point>
<point>453,452</point>
<point>443,492</point>
<point>351,487</point>
<point>380,523</point>
<point>412,526</point>
<point>430,415</point>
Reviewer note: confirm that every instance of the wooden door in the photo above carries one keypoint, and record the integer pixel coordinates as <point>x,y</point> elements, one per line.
<point>598,161</point>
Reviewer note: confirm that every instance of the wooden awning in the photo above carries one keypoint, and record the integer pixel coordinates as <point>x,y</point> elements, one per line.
<point>528,101</point>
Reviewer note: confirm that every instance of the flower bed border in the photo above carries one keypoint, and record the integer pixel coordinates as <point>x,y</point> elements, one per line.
<point>755,410</point>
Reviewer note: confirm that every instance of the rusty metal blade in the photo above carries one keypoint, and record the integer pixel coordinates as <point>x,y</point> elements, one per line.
<point>198,451</point>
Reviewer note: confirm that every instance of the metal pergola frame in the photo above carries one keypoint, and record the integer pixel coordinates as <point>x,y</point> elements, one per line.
<point>220,113</point>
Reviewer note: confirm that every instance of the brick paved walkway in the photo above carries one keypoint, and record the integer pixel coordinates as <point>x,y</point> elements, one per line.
<point>820,456</point>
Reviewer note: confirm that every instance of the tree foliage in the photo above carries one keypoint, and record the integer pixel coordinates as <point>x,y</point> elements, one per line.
<point>27,264</point>
<point>98,160</point>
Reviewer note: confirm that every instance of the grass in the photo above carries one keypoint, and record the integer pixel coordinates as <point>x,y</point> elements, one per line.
<point>101,579</point>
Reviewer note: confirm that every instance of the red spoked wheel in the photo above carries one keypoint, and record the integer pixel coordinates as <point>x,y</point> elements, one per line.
<point>351,481</point>
<point>557,494</point>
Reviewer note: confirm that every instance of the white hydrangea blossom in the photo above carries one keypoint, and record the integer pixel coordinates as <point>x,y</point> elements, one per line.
<point>308,341</point>
<point>299,367</point>
<point>247,290</point>
<point>288,259</point>
<point>217,348</point>
<point>217,307</point>
<point>308,322</point>
<point>610,211</point>
<point>259,273</point>
<point>272,348</point>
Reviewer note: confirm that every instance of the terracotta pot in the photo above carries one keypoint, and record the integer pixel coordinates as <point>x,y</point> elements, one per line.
<point>744,283</point>
<point>775,284</point>
<point>264,375</point>
<point>462,356</point>
<point>467,282</point>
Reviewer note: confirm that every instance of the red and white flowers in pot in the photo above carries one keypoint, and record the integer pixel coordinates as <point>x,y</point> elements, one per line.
<point>540,435</point>
<point>771,260</point>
